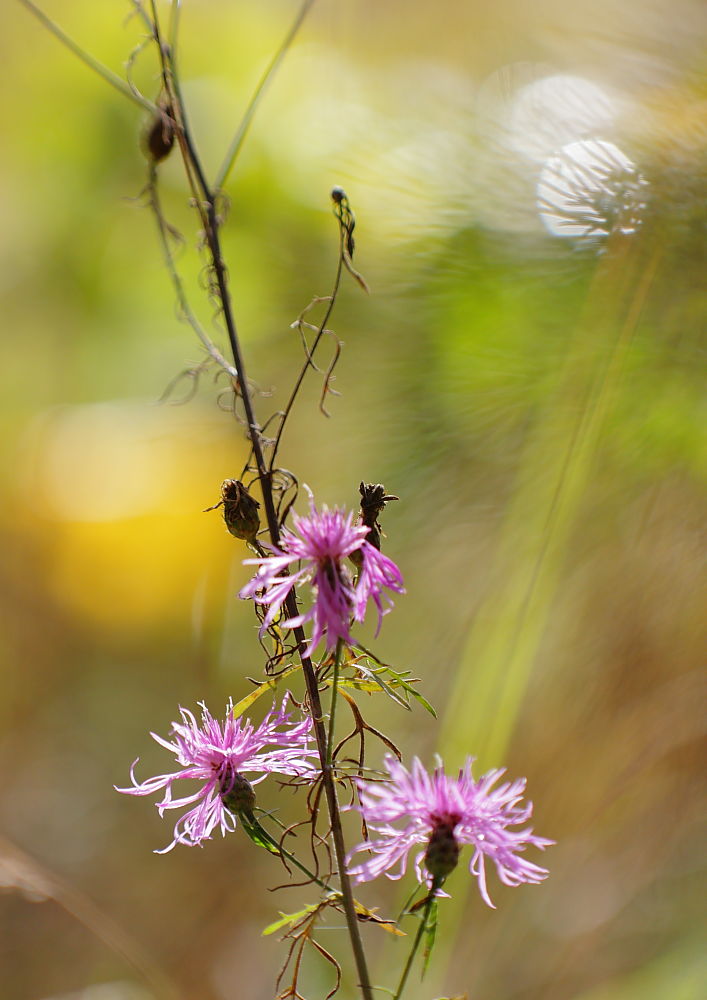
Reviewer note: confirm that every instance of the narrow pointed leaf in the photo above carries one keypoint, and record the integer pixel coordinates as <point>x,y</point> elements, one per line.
<point>255,832</point>
<point>269,685</point>
<point>363,913</point>
<point>430,935</point>
<point>287,919</point>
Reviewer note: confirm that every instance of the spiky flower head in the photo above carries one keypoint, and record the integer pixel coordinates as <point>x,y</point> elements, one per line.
<point>440,814</point>
<point>321,542</point>
<point>219,755</point>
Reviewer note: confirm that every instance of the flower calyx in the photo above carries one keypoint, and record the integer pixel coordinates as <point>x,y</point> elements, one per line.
<point>237,792</point>
<point>442,853</point>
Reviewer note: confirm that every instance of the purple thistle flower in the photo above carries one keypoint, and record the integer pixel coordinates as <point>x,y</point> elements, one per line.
<point>217,754</point>
<point>321,542</point>
<point>443,813</point>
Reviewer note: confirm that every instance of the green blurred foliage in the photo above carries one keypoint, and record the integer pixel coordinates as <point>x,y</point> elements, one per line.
<point>536,401</point>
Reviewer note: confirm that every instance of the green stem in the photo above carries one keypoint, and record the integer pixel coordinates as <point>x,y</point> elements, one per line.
<point>250,817</point>
<point>332,708</point>
<point>174,31</point>
<point>108,75</point>
<point>177,283</point>
<point>242,130</point>
<point>416,943</point>
<point>208,214</point>
<point>406,908</point>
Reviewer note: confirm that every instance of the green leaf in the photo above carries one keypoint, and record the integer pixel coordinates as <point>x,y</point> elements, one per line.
<point>372,687</point>
<point>269,685</point>
<point>412,691</point>
<point>430,935</point>
<point>363,913</point>
<point>287,919</point>
<point>394,679</point>
<point>422,701</point>
<point>252,828</point>
<point>387,688</point>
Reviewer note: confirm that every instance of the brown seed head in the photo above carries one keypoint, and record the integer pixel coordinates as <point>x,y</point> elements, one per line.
<point>240,510</point>
<point>373,501</point>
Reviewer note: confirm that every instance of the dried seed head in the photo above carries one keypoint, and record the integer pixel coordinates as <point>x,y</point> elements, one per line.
<point>373,501</point>
<point>442,852</point>
<point>158,138</point>
<point>240,510</point>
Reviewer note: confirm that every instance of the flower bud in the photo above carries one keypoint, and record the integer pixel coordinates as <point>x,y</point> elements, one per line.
<point>158,138</point>
<point>442,852</point>
<point>236,792</point>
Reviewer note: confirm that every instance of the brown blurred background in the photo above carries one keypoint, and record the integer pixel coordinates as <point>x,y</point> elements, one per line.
<point>535,397</point>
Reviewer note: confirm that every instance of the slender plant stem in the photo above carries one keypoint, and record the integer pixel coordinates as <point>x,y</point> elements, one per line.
<point>292,611</point>
<point>245,123</point>
<point>108,75</point>
<point>209,216</point>
<point>180,292</point>
<point>406,907</point>
<point>285,853</point>
<point>332,705</point>
<point>310,353</point>
<point>174,15</point>
<point>192,162</point>
<point>415,946</point>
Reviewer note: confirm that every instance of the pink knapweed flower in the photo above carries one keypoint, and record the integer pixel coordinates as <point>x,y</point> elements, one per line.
<point>220,755</point>
<point>321,542</point>
<point>443,813</point>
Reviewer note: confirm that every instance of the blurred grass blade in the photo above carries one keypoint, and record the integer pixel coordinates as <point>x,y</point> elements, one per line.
<point>108,75</point>
<point>242,130</point>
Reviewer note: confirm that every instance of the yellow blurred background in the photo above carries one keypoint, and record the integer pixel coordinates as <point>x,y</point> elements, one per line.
<point>534,395</point>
